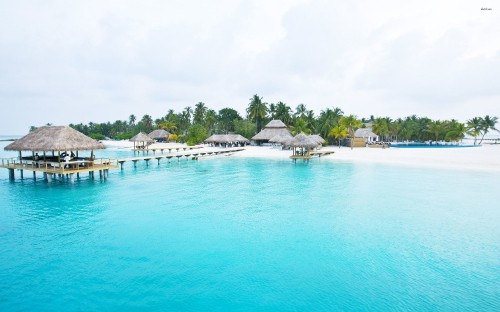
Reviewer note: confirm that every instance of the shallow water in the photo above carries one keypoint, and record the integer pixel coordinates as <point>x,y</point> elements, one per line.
<point>250,234</point>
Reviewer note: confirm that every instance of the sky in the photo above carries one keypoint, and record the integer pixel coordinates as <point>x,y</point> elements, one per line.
<point>67,62</point>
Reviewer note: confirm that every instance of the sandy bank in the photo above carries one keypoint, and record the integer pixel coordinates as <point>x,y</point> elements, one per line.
<point>474,158</point>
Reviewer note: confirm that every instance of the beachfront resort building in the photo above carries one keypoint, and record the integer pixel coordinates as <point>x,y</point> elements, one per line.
<point>272,129</point>
<point>366,134</point>
<point>159,135</point>
<point>227,140</point>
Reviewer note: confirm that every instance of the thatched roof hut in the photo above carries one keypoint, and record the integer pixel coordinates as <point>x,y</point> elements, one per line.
<point>281,138</point>
<point>141,137</point>
<point>302,140</point>
<point>272,129</point>
<point>364,133</point>
<point>226,138</point>
<point>159,134</point>
<point>317,138</point>
<point>54,138</point>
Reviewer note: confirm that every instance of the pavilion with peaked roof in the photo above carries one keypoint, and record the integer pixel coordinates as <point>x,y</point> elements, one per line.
<point>302,145</point>
<point>58,145</point>
<point>143,138</point>
<point>272,129</point>
<point>159,135</point>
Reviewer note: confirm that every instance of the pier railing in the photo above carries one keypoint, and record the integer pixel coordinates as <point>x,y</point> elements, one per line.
<point>59,167</point>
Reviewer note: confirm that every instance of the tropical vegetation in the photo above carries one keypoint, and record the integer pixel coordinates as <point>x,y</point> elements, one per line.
<point>194,125</point>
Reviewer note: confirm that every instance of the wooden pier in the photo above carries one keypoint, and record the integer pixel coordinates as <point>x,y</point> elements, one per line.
<point>193,154</point>
<point>52,170</point>
<point>312,154</point>
<point>169,149</point>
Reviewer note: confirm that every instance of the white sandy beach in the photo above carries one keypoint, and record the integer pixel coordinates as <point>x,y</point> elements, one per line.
<point>485,158</point>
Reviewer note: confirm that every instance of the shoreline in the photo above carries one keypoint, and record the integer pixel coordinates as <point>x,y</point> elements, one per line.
<point>482,158</point>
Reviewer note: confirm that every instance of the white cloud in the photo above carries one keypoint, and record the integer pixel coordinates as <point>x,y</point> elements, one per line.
<point>84,61</point>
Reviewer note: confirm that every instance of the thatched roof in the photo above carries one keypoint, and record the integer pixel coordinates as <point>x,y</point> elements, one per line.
<point>281,138</point>
<point>54,138</point>
<point>302,140</point>
<point>275,124</point>
<point>272,129</point>
<point>226,138</point>
<point>159,134</point>
<point>317,138</point>
<point>141,137</point>
<point>364,133</point>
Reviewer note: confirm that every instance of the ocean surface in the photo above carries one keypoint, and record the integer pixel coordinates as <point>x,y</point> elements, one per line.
<point>231,234</point>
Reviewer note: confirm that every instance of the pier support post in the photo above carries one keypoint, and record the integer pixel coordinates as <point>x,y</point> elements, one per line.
<point>147,162</point>
<point>34,175</point>
<point>158,161</point>
<point>135,163</point>
<point>100,173</point>
<point>22,174</point>
<point>72,178</point>
<point>121,165</point>
<point>11,174</point>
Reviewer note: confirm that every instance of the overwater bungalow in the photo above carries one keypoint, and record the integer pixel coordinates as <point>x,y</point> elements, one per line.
<point>54,150</point>
<point>272,129</point>
<point>227,140</point>
<point>302,145</point>
<point>143,138</point>
<point>159,135</point>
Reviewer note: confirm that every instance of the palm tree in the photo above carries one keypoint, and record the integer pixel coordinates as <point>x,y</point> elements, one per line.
<point>199,113</point>
<point>338,132</point>
<point>283,112</point>
<point>474,127</point>
<point>328,119</point>
<point>456,131</point>
<point>435,127</point>
<point>210,120</point>
<point>146,123</point>
<point>488,124</point>
<point>257,111</point>
<point>168,126</point>
<point>131,120</point>
<point>188,112</point>
<point>352,123</point>
<point>380,127</point>
<point>300,110</point>
<point>299,126</point>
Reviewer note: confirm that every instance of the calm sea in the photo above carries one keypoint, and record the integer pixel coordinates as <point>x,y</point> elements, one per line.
<point>247,234</point>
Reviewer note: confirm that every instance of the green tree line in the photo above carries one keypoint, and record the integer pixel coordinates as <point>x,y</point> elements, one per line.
<point>195,125</point>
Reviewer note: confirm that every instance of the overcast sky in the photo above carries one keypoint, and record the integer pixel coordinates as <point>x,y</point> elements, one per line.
<point>79,61</point>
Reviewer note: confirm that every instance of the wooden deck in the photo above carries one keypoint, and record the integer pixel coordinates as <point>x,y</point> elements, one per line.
<point>169,149</point>
<point>194,154</point>
<point>60,167</point>
<point>313,154</point>
<point>321,153</point>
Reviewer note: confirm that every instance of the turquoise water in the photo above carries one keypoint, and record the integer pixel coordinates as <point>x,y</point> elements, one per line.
<point>244,234</point>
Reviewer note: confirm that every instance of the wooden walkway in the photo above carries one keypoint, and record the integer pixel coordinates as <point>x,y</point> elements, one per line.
<point>321,153</point>
<point>169,149</point>
<point>193,154</point>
